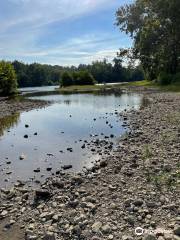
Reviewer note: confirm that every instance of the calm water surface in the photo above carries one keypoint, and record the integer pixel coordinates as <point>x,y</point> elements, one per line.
<point>66,123</point>
<point>52,88</point>
<point>38,89</point>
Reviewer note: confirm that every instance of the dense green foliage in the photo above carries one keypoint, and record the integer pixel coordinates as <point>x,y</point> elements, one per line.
<point>66,79</point>
<point>154,27</point>
<point>82,77</point>
<point>104,71</point>
<point>8,81</point>
<point>167,78</point>
<point>31,75</point>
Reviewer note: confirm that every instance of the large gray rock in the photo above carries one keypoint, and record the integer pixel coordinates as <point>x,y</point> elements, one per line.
<point>177,230</point>
<point>138,202</point>
<point>96,227</point>
<point>150,237</point>
<point>42,194</point>
<point>49,236</point>
<point>106,229</point>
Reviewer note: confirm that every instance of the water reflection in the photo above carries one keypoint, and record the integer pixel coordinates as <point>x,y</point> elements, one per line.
<point>8,122</point>
<point>70,122</point>
<point>67,102</point>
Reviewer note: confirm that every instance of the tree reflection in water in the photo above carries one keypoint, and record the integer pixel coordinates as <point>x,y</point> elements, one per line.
<point>8,122</point>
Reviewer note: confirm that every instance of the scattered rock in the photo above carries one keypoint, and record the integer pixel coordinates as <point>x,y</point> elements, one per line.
<point>177,230</point>
<point>42,194</point>
<point>96,227</point>
<point>106,229</point>
<point>22,157</point>
<point>150,237</point>
<point>66,167</point>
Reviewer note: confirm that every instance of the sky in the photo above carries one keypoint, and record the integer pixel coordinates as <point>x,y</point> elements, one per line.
<point>62,32</point>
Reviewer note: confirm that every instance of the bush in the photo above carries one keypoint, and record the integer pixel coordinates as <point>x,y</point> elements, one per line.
<point>87,78</point>
<point>165,78</point>
<point>176,78</point>
<point>84,78</point>
<point>8,80</point>
<point>77,78</point>
<point>66,79</point>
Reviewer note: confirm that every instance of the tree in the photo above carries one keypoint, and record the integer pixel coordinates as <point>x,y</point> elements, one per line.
<point>32,75</point>
<point>8,80</point>
<point>154,27</point>
<point>118,71</point>
<point>66,79</point>
<point>35,74</point>
<point>102,71</point>
<point>84,78</point>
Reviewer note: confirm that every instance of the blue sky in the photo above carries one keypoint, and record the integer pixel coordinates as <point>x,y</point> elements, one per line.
<point>63,32</point>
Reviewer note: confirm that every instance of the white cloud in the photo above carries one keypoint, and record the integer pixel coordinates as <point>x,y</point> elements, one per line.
<point>37,13</point>
<point>24,22</point>
<point>84,49</point>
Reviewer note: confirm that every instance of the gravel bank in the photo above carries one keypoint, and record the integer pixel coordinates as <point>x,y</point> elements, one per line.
<point>8,107</point>
<point>136,186</point>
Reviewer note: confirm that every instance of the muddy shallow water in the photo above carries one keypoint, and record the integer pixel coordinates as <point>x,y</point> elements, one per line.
<point>60,134</point>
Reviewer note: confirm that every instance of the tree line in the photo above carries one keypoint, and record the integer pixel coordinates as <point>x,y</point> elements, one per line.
<point>31,75</point>
<point>35,74</point>
<point>154,27</point>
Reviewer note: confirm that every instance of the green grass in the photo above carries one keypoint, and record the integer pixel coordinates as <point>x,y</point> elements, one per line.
<point>80,87</point>
<point>145,84</point>
<point>89,88</point>
<point>102,87</point>
<point>152,84</point>
<point>165,179</point>
<point>171,88</point>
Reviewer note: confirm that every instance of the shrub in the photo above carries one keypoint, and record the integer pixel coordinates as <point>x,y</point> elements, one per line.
<point>8,80</point>
<point>165,78</point>
<point>176,78</point>
<point>77,78</point>
<point>66,79</point>
<point>87,78</point>
<point>83,78</point>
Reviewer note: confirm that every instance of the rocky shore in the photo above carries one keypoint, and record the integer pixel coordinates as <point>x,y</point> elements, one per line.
<point>132,194</point>
<point>12,106</point>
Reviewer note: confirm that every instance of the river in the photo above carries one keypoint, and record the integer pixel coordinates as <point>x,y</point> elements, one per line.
<point>66,132</point>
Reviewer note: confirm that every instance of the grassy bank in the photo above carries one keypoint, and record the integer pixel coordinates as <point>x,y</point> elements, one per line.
<point>118,87</point>
<point>109,88</point>
<point>150,84</point>
<point>144,83</point>
<point>90,88</point>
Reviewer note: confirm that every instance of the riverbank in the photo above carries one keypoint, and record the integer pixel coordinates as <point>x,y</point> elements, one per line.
<point>151,85</point>
<point>97,88</point>
<point>136,186</point>
<point>137,86</point>
<point>19,104</point>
